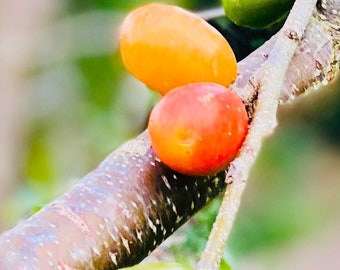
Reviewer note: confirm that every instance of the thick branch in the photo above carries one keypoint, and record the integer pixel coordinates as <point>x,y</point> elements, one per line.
<point>112,218</point>
<point>122,210</point>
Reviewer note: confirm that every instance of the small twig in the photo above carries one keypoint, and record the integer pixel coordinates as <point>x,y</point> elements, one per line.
<point>269,79</point>
<point>211,13</point>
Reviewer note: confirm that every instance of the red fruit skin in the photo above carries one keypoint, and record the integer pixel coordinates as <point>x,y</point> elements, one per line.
<point>197,129</point>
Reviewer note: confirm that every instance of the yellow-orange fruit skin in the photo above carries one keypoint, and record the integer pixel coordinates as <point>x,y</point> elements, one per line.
<point>166,46</point>
<point>198,129</point>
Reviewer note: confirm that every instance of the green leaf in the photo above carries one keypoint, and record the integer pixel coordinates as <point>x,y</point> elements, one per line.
<point>224,265</point>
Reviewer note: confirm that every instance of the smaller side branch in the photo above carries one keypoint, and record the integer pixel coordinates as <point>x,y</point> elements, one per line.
<point>269,80</point>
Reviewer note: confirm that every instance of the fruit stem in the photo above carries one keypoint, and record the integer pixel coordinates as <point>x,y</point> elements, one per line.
<point>268,81</point>
<point>211,13</point>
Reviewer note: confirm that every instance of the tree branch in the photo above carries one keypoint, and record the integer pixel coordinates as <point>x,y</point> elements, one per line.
<point>267,80</point>
<point>122,210</point>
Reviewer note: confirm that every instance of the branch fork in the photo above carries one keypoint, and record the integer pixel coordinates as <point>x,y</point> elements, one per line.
<point>268,80</point>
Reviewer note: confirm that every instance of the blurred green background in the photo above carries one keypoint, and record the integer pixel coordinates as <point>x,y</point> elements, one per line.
<point>67,102</point>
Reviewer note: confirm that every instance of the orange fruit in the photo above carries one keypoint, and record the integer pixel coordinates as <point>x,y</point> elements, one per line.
<point>166,46</point>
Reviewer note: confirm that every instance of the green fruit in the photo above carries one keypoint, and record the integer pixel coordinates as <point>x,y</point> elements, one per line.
<point>256,13</point>
<point>158,266</point>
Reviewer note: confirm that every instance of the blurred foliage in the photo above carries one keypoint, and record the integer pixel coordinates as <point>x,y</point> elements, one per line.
<point>170,266</point>
<point>280,212</point>
<point>128,5</point>
<point>83,104</point>
<point>160,265</point>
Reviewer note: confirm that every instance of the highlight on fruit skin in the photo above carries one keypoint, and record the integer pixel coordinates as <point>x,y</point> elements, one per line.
<point>165,46</point>
<point>197,129</point>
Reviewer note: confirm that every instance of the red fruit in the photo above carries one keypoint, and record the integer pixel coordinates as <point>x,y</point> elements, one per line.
<point>197,129</point>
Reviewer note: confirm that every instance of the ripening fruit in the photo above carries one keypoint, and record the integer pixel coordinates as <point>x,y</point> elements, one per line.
<point>166,46</point>
<point>197,129</point>
<point>256,13</point>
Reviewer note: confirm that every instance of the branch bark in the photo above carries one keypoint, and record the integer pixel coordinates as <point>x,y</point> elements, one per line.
<point>268,80</point>
<point>131,202</point>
